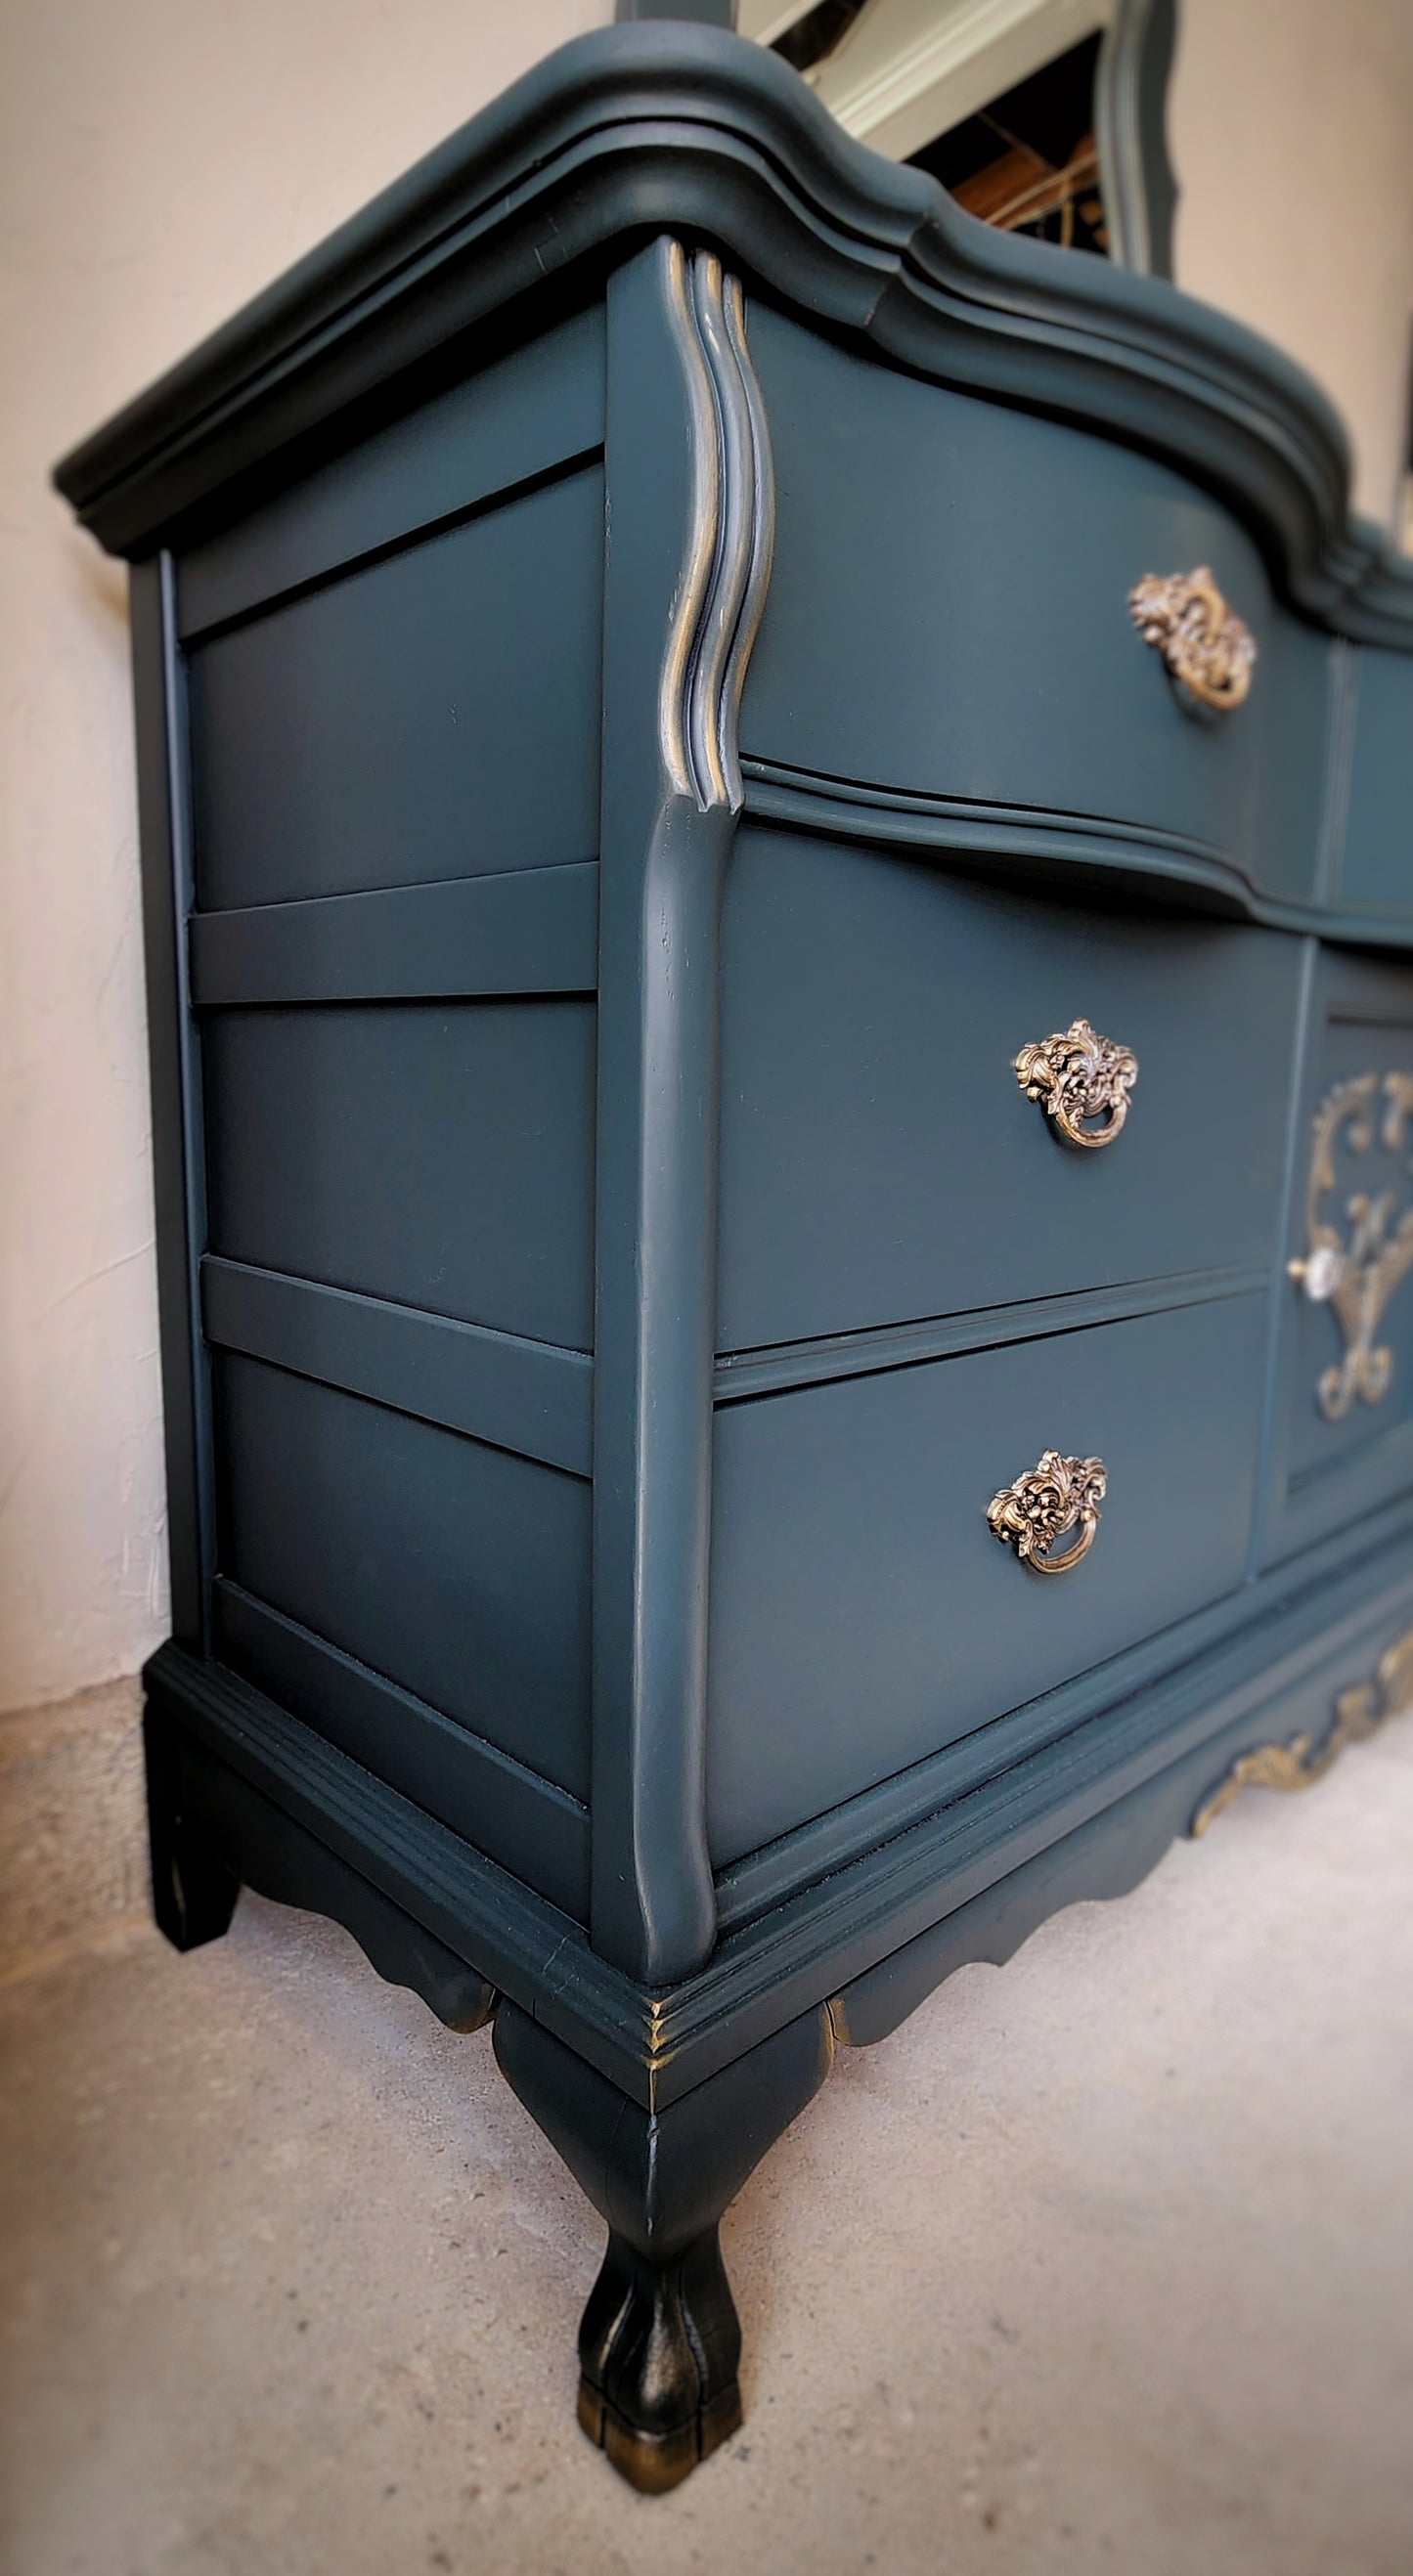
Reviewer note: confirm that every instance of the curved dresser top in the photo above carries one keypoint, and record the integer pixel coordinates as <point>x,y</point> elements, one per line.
<point>664,125</point>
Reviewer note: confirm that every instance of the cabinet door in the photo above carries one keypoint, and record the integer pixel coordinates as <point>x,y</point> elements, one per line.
<point>1343,1432</point>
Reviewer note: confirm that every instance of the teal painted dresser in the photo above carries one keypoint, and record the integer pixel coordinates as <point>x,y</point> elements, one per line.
<point>776,842</point>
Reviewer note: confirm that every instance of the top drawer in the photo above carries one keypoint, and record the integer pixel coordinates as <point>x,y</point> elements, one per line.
<point>948,615</point>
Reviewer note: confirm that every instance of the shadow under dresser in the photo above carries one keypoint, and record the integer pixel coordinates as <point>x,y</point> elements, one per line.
<point>780,951</point>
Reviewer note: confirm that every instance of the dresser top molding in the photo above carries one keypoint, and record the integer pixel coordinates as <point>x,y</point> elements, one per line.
<point>667,126</point>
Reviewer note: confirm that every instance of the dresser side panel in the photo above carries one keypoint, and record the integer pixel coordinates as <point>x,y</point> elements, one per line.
<point>516,422</point>
<point>433,715</point>
<point>437,1154</point>
<point>456,1569</point>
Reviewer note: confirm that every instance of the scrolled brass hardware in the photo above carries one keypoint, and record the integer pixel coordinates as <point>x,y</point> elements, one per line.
<point>1057,1496</point>
<point>1207,650</point>
<point>1076,1075</point>
<point>1356,1277</point>
<point>1359,1713</point>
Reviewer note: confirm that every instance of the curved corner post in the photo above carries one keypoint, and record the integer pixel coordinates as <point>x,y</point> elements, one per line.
<point>689,525</point>
<point>660,2345</point>
<point>1136,177</point>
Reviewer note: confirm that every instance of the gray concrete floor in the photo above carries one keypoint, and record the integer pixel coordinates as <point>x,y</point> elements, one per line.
<point>1104,2262</point>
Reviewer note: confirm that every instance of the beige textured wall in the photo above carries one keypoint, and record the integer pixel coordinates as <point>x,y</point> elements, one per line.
<point>1291,128</point>
<point>159,162</point>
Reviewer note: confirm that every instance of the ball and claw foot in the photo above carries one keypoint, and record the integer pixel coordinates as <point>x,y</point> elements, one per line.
<point>659,2350</point>
<point>660,2346</point>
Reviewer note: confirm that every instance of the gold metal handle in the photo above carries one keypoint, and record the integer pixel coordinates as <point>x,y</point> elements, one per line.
<point>1208,651</point>
<point>1057,1496</point>
<point>1077,1077</point>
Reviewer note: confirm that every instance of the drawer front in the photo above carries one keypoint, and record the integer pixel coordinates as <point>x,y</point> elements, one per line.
<point>1344,1430</point>
<point>880,1161</point>
<point>862,1613</point>
<point>948,615</point>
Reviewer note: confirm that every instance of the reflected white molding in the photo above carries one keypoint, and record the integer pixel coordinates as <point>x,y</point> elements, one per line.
<point>908,69</point>
<point>765,20</point>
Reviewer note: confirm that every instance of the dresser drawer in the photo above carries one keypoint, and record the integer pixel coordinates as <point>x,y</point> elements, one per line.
<point>880,1162</point>
<point>949,616</point>
<point>862,1613</point>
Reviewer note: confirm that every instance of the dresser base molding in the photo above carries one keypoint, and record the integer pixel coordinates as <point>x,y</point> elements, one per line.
<point>662,2105</point>
<point>243,1772</point>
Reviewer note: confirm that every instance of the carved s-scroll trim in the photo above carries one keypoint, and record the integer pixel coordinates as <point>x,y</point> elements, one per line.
<point>731,530</point>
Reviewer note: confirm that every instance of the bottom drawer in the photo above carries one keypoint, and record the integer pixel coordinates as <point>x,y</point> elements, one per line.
<point>862,1613</point>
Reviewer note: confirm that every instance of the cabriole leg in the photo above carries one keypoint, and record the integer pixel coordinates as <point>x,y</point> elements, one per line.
<point>193,1895</point>
<point>659,2345</point>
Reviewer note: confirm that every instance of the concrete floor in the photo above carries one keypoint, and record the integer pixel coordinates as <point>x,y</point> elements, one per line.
<point>1105,2261</point>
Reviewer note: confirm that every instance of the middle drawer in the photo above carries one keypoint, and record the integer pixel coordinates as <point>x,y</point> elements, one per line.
<point>879,1160</point>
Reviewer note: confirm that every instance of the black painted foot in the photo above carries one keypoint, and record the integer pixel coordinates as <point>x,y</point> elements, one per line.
<point>193,1894</point>
<point>659,2350</point>
<point>660,2345</point>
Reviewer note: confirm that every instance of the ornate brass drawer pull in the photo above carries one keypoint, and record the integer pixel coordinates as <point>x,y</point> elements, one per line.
<point>1059,1495</point>
<point>1207,649</point>
<point>1076,1076</point>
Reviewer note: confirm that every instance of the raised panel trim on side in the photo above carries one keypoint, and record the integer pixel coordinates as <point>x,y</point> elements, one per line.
<point>437,1155</point>
<point>525,1822</point>
<point>534,413</point>
<point>459,1570</point>
<point>528,1396</point>
<point>528,931</point>
<point>428,713</point>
